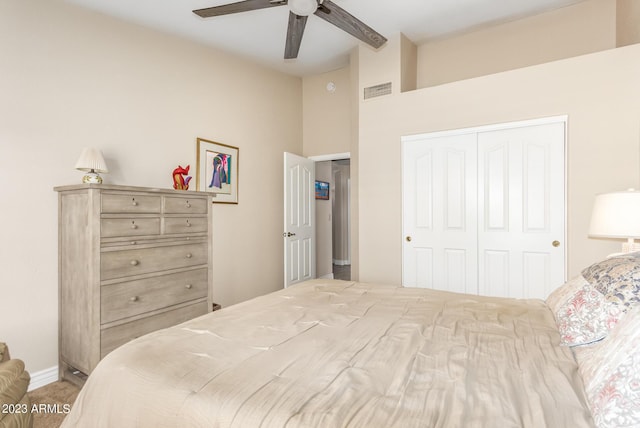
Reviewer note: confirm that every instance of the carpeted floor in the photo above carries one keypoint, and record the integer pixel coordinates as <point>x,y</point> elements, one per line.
<point>53,402</point>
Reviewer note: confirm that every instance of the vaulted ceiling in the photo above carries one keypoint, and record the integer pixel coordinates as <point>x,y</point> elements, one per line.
<point>260,35</point>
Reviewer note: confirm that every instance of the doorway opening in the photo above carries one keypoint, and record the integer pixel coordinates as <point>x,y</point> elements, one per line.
<point>333,218</point>
<point>341,226</point>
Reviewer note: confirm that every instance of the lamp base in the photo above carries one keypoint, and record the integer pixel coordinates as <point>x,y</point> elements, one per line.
<point>92,178</point>
<point>630,247</point>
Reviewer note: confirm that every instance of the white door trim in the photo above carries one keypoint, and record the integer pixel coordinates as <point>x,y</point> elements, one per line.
<point>329,157</point>
<point>488,128</point>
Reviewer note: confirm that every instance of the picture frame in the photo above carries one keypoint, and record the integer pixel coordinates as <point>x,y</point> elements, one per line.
<point>217,170</point>
<point>322,190</point>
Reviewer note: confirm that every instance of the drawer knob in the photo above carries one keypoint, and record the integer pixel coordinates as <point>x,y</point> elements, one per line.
<point>189,255</point>
<point>134,203</point>
<point>134,226</point>
<point>188,224</point>
<point>188,286</point>
<point>134,299</point>
<point>188,205</point>
<point>134,262</point>
<point>133,242</point>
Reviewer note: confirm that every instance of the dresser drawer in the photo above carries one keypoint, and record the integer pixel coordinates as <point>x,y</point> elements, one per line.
<point>111,227</point>
<point>122,263</point>
<point>185,225</point>
<point>113,337</point>
<point>185,205</point>
<point>130,203</point>
<point>127,299</point>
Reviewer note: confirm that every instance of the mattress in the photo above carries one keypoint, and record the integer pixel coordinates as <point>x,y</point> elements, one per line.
<point>330,353</point>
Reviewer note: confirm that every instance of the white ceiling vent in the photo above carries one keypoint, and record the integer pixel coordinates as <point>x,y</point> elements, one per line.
<point>377,90</point>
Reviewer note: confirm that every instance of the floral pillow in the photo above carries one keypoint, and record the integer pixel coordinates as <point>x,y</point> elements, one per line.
<point>562,294</point>
<point>586,317</point>
<point>611,373</point>
<point>618,278</point>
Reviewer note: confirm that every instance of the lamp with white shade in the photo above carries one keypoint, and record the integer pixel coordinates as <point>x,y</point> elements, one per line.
<point>617,215</point>
<point>92,162</point>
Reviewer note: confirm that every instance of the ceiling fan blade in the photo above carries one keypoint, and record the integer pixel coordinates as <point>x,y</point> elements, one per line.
<point>241,6</point>
<point>342,19</point>
<point>295,30</point>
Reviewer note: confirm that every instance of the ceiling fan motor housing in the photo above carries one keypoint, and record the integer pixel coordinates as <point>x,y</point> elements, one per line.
<point>303,7</point>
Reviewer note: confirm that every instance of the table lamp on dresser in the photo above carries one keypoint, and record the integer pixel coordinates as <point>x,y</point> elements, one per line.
<point>92,162</point>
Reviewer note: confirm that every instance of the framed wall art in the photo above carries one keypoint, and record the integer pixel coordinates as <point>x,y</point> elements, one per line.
<point>217,171</point>
<point>322,190</point>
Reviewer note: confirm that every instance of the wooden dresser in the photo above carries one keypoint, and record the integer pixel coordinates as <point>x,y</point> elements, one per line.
<point>131,260</point>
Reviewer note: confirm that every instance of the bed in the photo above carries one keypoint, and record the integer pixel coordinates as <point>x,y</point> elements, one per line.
<point>329,353</point>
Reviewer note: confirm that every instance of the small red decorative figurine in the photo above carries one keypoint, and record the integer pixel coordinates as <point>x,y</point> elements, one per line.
<point>180,178</point>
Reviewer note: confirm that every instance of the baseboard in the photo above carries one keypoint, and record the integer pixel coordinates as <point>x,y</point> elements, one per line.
<point>43,377</point>
<point>327,276</point>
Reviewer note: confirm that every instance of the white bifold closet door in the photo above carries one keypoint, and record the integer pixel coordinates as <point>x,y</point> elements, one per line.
<point>440,213</point>
<point>483,212</point>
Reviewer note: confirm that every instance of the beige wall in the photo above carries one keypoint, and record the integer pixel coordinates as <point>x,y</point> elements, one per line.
<point>72,78</point>
<point>586,27</point>
<point>627,22</point>
<point>327,119</point>
<point>599,92</point>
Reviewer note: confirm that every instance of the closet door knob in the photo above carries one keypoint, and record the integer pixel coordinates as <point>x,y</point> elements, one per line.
<point>408,239</point>
<point>556,243</point>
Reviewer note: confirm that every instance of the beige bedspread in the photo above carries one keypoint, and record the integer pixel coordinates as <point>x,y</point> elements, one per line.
<point>342,354</point>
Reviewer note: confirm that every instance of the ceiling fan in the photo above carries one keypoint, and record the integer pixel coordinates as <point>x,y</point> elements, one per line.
<point>299,10</point>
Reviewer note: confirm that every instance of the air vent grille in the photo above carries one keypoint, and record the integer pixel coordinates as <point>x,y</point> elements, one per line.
<point>377,90</point>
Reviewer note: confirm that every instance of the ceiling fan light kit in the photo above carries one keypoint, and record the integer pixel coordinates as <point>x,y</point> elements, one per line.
<point>303,7</point>
<point>299,10</point>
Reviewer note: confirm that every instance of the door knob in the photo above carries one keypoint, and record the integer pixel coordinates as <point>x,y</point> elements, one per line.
<point>288,234</point>
<point>556,243</point>
<point>408,238</point>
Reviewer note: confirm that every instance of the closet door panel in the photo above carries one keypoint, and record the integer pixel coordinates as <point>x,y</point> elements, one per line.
<point>439,221</point>
<point>533,193</point>
<point>496,273</point>
<point>495,188</point>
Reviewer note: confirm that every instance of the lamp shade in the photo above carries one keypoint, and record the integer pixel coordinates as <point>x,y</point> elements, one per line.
<point>91,160</point>
<point>616,215</point>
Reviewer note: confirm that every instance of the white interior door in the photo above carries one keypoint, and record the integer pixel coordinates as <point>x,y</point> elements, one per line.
<point>299,219</point>
<point>440,205</point>
<point>521,211</point>
<point>483,211</point>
